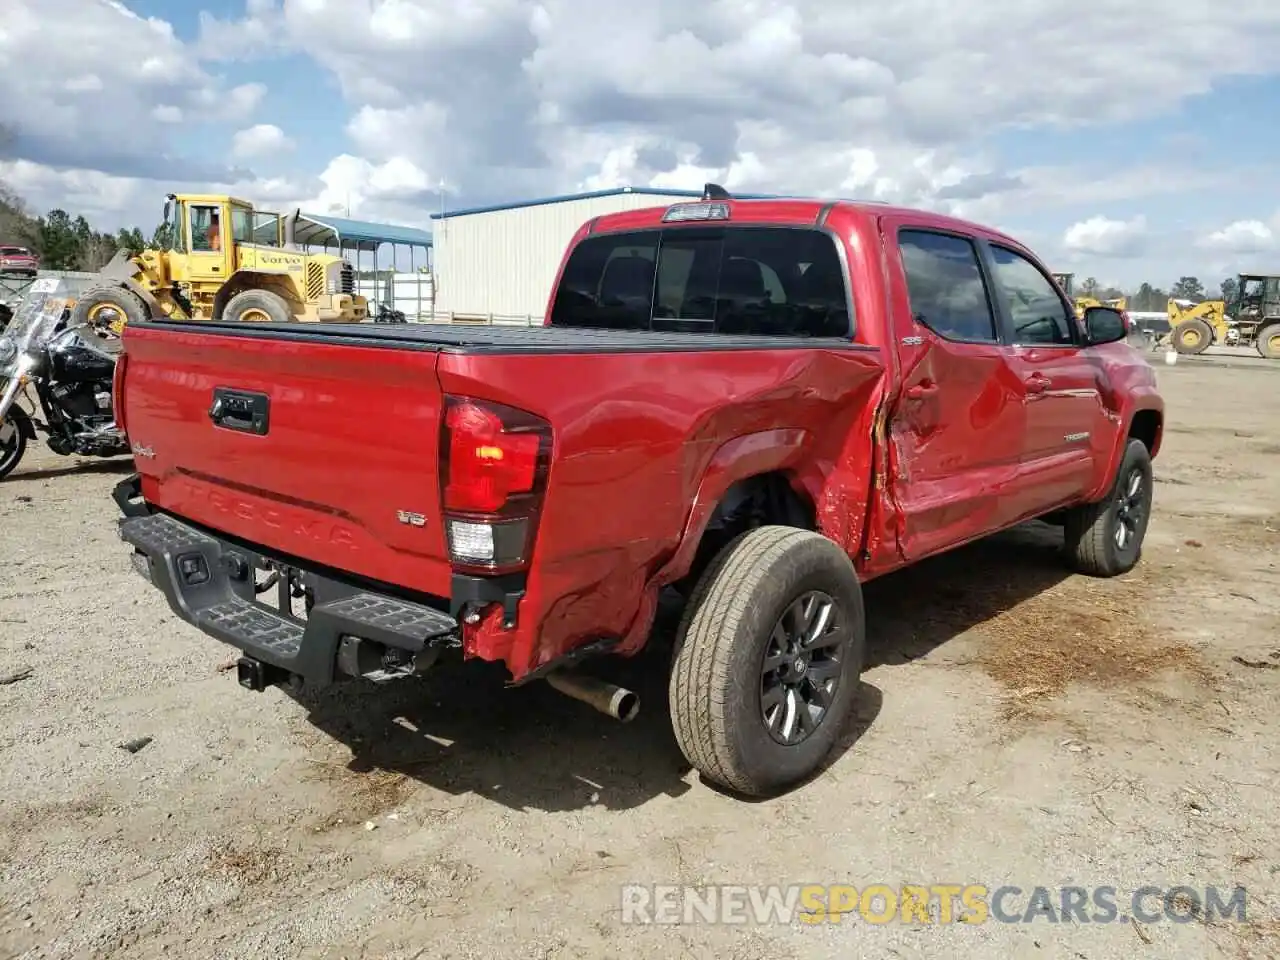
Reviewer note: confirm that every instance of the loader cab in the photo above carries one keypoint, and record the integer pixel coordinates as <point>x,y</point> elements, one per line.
<point>1065,281</point>
<point>206,229</point>
<point>1257,297</point>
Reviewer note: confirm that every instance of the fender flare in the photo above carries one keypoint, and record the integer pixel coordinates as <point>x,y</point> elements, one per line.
<point>738,459</point>
<point>1123,435</point>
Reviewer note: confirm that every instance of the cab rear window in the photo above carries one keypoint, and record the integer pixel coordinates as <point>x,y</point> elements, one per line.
<point>741,280</point>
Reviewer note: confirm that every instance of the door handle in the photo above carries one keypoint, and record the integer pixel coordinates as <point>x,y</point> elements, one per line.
<point>1037,383</point>
<point>918,391</point>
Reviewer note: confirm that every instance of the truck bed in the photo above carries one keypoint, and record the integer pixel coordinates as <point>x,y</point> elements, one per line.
<point>344,465</point>
<point>459,338</point>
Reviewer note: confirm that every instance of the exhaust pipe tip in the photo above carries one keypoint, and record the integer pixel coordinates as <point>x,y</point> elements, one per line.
<point>624,705</point>
<point>617,702</point>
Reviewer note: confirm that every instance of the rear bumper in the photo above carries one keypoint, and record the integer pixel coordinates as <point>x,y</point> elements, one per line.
<point>349,630</point>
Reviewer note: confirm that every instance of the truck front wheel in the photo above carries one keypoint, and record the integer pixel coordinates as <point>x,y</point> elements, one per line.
<point>1104,539</point>
<point>768,658</point>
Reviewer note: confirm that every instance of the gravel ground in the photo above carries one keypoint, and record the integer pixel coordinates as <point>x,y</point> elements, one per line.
<point>1017,726</point>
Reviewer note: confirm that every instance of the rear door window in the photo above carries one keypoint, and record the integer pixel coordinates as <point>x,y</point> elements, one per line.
<point>945,285</point>
<point>762,281</point>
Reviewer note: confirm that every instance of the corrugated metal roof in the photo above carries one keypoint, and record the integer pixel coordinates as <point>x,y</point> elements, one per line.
<point>355,234</point>
<point>569,197</point>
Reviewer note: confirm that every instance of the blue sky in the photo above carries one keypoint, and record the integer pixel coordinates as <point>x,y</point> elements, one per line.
<point>1125,143</point>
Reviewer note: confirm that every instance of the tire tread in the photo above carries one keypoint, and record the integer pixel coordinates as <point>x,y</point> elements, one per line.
<point>715,611</point>
<point>1087,535</point>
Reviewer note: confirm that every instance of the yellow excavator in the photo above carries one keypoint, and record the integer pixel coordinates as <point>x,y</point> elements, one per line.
<point>1251,318</point>
<point>224,261</point>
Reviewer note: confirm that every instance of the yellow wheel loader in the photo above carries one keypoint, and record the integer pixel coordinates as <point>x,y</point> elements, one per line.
<point>1067,282</point>
<point>1252,317</point>
<point>1084,303</point>
<point>223,261</point>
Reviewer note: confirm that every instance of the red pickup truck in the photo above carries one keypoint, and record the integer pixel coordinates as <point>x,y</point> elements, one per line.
<point>761,403</point>
<point>18,260</point>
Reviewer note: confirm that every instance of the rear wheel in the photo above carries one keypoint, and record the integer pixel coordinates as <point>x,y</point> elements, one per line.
<point>257,306</point>
<point>1104,539</point>
<point>13,440</point>
<point>1268,343</point>
<point>767,660</point>
<point>109,308</point>
<point>1192,336</point>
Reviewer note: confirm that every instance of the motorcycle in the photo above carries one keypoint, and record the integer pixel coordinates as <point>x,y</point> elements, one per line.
<point>70,369</point>
<point>386,315</point>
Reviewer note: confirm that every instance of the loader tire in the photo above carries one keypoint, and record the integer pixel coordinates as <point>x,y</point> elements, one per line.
<point>257,306</point>
<point>1268,342</point>
<point>1104,539</point>
<point>746,670</point>
<point>109,307</point>
<point>1192,336</point>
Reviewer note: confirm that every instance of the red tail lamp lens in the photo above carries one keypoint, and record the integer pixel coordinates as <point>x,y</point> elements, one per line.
<point>488,462</point>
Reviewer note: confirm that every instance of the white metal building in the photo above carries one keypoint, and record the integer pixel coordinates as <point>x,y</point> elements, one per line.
<point>502,260</point>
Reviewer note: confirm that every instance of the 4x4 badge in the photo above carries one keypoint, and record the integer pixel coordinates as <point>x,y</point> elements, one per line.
<point>411,518</point>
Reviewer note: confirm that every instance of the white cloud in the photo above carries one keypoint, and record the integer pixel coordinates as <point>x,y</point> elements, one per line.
<point>109,201</point>
<point>260,32</point>
<point>164,113</point>
<point>1102,237</point>
<point>512,97</point>
<point>260,140</point>
<point>90,84</point>
<point>374,190</point>
<point>508,98</point>
<point>1242,237</point>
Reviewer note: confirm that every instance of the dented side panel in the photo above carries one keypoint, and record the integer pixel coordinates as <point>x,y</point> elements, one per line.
<point>955,424</point>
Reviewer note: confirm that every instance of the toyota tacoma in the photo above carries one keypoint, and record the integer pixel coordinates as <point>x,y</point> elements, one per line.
<point>762,404</point>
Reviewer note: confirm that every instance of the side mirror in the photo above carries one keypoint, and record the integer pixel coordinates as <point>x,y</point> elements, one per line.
<point>1104,325</point>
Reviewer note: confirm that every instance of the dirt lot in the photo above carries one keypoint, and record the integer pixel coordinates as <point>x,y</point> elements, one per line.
<point>1017,726</point>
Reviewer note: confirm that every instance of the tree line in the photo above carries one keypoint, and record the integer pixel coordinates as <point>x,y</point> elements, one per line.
<point>63,242</point>
<point>1156,299</point>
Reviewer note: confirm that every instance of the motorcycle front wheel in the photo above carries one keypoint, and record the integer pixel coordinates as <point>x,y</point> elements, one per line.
<point>13,440</point>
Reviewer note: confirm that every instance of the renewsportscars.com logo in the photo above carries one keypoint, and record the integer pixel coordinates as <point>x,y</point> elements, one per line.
<point>942,903</point>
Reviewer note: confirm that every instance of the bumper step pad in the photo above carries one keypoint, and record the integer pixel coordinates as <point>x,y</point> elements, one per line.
<point>194,570</point>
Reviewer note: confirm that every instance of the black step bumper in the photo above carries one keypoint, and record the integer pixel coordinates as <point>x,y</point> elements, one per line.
<point>349,630</point>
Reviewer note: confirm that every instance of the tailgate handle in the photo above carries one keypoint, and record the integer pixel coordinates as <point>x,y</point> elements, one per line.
<point>240,410</point>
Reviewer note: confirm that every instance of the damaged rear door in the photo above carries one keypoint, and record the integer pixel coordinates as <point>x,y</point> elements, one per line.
<point>958,422</point>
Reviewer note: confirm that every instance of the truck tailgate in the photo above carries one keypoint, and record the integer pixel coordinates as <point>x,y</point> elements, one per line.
<point>329,447</point>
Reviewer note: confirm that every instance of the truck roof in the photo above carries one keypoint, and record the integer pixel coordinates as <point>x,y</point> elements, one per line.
<point>806,211</point>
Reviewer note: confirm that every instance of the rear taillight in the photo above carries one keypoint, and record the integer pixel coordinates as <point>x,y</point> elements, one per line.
<point>494,464</point>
